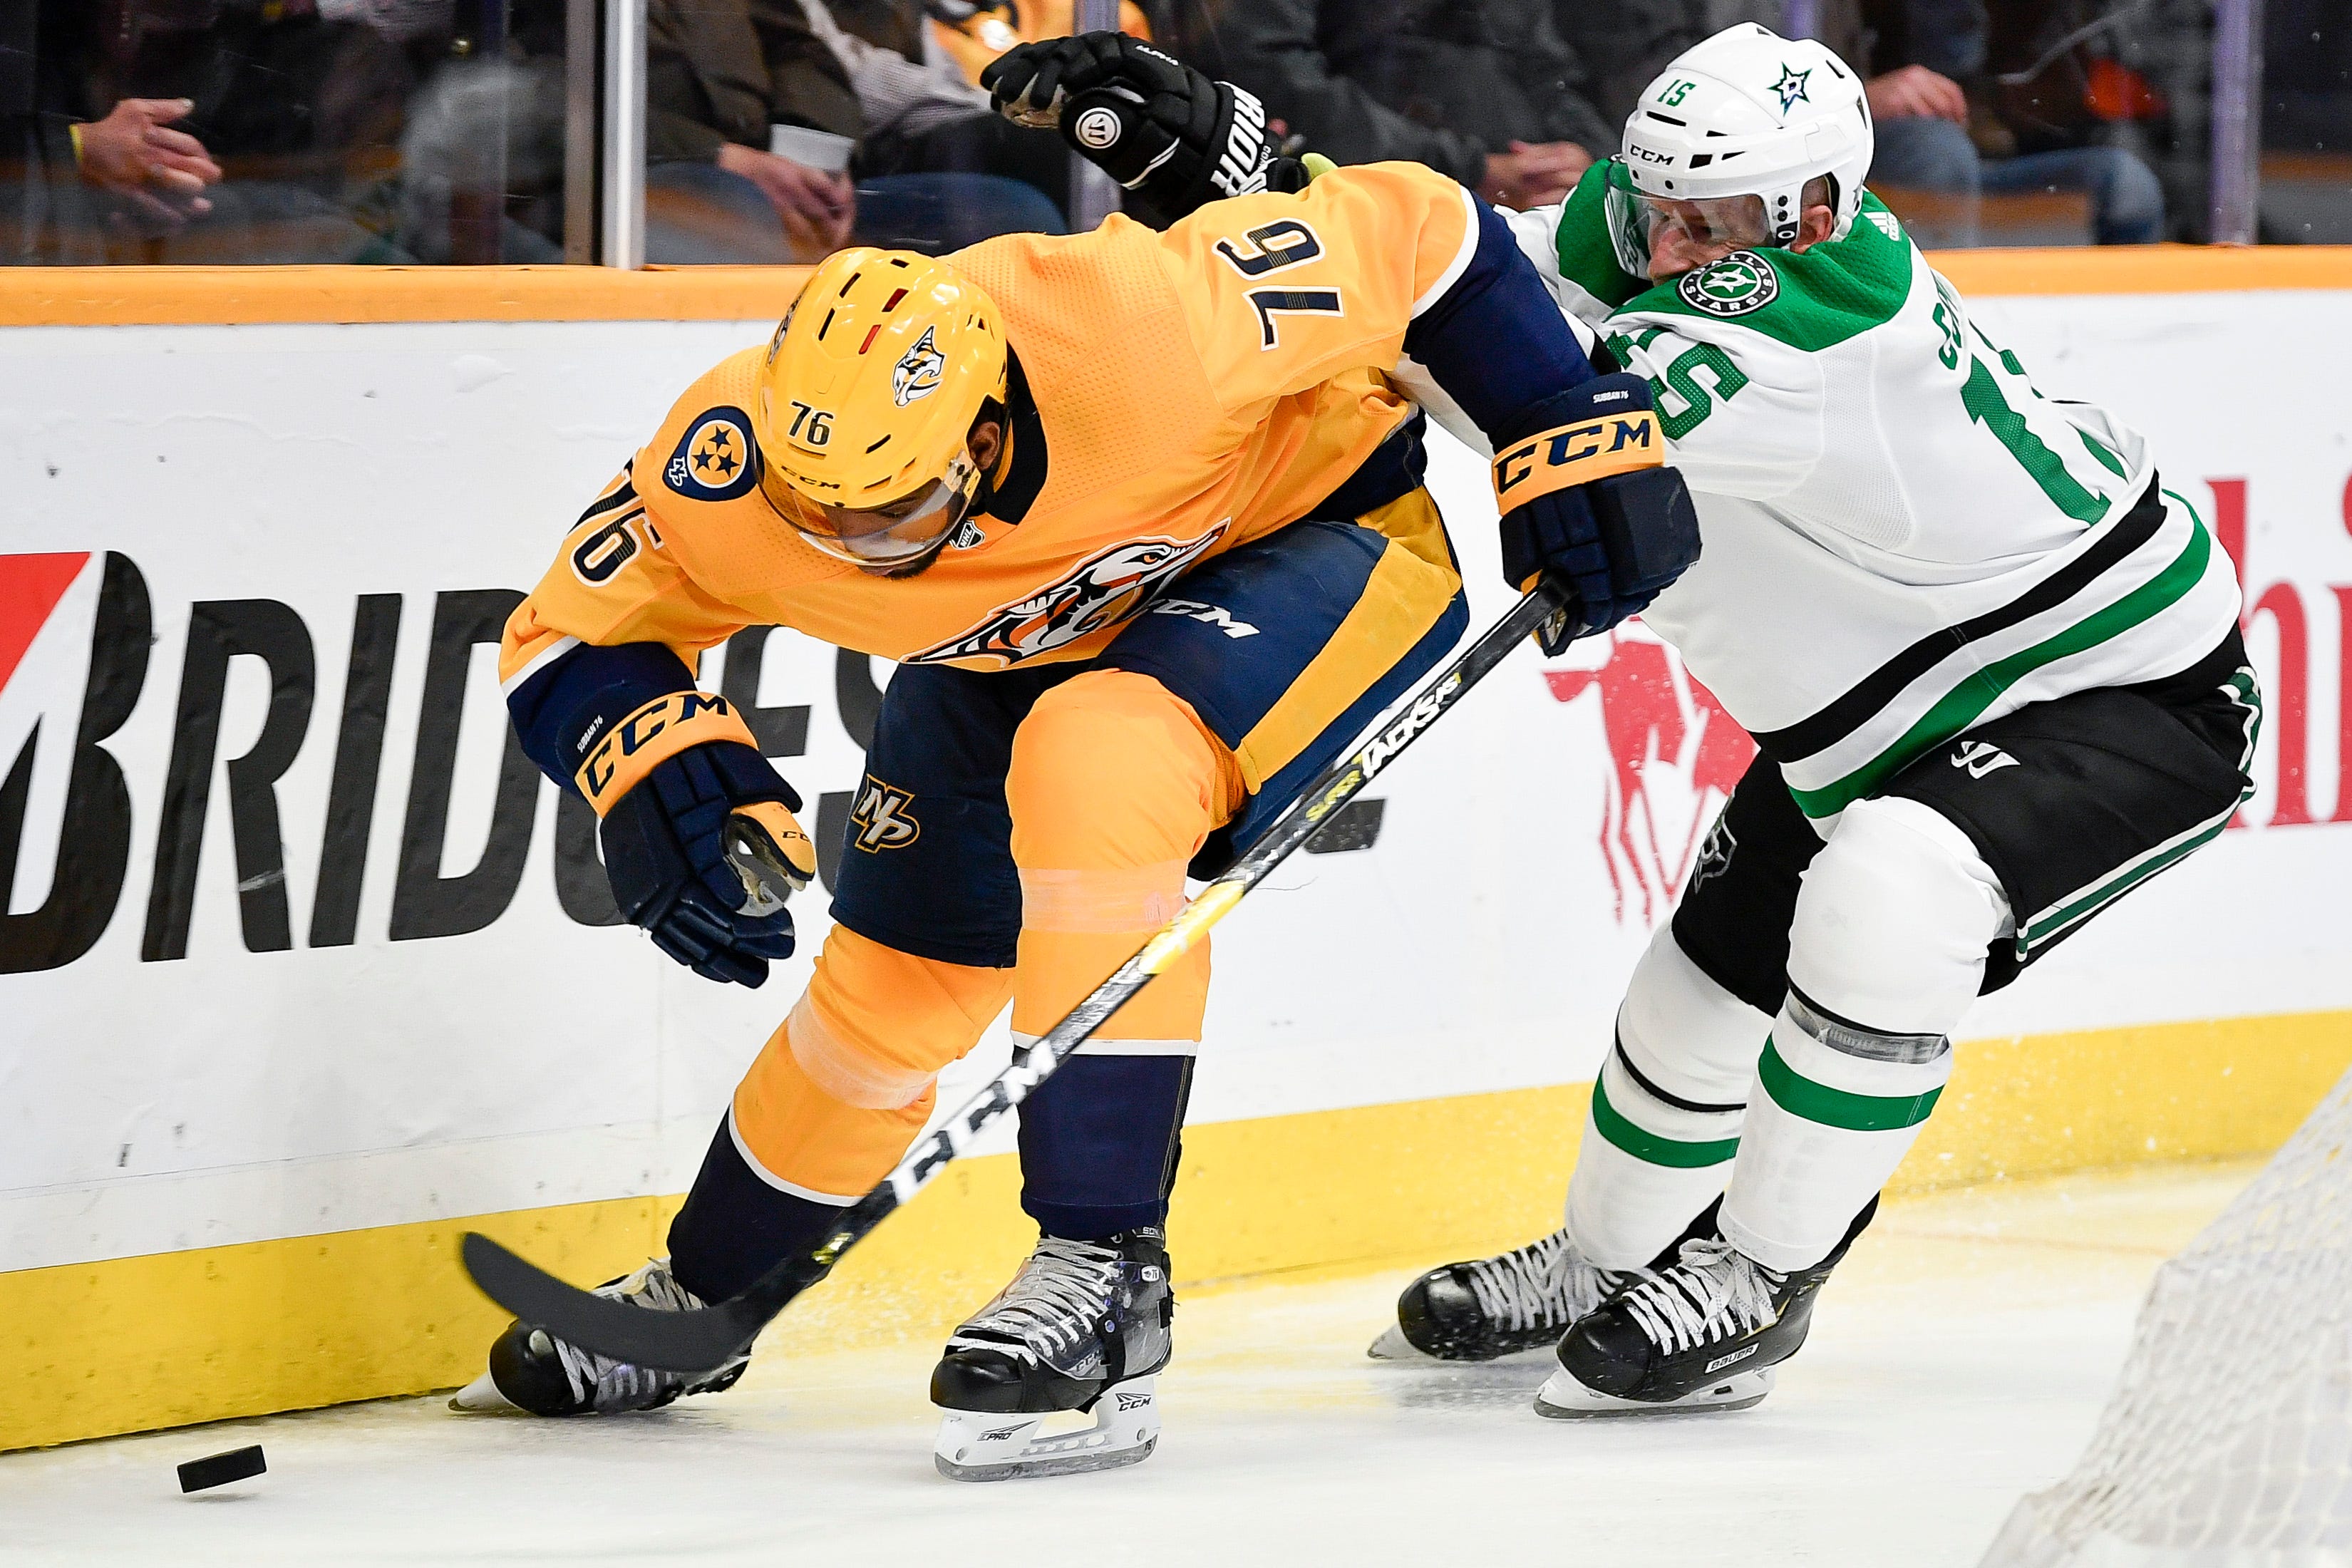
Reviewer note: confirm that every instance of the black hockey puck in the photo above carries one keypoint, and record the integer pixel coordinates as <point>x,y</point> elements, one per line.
<point>219,1470</point>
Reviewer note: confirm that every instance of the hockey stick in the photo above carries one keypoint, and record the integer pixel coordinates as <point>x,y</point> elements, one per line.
<point>704,1339</point>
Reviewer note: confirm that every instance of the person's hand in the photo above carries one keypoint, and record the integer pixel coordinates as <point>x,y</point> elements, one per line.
<point>1533,174</point>
<point>1915,92</point>
<point>135,155</point>
<point>817,208</point>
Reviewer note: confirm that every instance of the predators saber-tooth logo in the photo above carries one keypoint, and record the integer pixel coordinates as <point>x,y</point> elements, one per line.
<point>1099,591</point>
<point>920,371</point>
<point>881,818</point>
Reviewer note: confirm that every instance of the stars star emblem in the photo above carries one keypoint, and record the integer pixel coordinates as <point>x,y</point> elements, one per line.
<point>1791,87</point>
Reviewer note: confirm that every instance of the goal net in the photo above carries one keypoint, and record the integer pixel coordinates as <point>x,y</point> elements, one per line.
<point>2228,1442</point>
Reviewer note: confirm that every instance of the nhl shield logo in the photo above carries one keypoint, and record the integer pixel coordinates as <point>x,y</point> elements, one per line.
<point>919,371</point>
<point>1738,284</point>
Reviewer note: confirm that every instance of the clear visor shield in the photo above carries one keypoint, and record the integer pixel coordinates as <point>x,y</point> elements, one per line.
<point>902,530</point>
<point>1718,226</point>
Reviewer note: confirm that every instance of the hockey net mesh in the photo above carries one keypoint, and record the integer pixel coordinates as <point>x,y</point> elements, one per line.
<point>2228,1442</point>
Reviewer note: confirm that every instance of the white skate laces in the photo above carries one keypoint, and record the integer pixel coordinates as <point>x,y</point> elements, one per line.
<point>1051,1303</point>
<point>1543,1283</point>
<point>608,1384</point>
<point>1712,1291</point>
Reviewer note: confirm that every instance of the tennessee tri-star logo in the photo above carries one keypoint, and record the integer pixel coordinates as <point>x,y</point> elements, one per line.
<point>717,455</point>
<point>1792,88</point>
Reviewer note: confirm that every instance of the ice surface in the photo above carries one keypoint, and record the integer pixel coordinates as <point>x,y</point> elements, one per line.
<point>1960,1357</point>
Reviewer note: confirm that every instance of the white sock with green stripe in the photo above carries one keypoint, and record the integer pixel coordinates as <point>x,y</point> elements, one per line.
<point>1884,955</point>
<point>1666,1109</point>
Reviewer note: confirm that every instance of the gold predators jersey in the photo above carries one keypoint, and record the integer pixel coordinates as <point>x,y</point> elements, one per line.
<point>1192,390</point>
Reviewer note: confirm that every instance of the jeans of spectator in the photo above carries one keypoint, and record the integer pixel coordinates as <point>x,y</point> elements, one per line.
<point>1928,154</point>
<point>699,213</point>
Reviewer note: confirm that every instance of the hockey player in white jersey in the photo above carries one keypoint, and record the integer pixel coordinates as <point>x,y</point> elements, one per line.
<point>1994,671</point>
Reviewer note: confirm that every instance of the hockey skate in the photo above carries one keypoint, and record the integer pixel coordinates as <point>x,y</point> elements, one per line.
<point>532,1371</point>
<point>1084,1327</point>
<point>1703,1333</point>
<point>1520,1301</point>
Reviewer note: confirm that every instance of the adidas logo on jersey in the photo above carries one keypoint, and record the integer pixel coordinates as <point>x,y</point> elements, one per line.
<point>1981,757</point>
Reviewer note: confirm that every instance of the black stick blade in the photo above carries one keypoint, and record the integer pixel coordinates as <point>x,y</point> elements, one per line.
<point>691,1342</point>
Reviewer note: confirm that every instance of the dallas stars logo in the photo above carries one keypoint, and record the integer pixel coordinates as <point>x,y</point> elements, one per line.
<point>1740,282</point>
<point>1792,88</point>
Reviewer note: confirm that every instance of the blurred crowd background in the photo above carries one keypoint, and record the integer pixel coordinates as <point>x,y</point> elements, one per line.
<point>774,131</point>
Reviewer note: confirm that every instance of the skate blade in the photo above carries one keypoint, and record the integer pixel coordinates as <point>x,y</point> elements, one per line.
<point>1564,1399</point>
<point>1393,1346</point>
<point>481,1397</point>
<point>976,1446</point>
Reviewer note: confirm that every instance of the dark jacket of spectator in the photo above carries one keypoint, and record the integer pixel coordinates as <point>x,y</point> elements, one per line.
<point>1444,82</point>
<point>715,74</point>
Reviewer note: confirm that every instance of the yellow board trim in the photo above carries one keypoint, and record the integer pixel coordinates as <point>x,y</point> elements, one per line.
<point>232,296</point>
<point>173,1338</point>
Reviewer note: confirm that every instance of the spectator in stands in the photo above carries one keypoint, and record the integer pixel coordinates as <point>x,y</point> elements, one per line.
<point>1914,55</point>
<point>720,72</point>
<point>126,123</point>
<point>935,160</point>
<point>1485,90</point>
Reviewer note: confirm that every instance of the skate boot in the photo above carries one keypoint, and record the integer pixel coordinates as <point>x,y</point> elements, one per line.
<point>1522,1299</point>
<point>1703,1333</point>
<point>1083,1326</point>
<point>532,1371</point>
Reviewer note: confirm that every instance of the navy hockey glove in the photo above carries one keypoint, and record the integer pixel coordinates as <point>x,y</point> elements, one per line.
<point>1586,501</point>
<point>1170,136</point>
<point>702,853</point>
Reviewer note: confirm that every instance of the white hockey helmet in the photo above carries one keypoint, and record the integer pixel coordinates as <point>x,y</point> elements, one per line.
<point>1748,113</point>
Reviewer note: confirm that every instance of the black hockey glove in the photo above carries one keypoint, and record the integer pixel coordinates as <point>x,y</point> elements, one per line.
<point>1587,502</point>
<point>1170,136</point>
<point>702,853</point>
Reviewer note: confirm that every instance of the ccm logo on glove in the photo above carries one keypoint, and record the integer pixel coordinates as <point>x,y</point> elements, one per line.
<point>1578,454</point>
<point>661,729</point>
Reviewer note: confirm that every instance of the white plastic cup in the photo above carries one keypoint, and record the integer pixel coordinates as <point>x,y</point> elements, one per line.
<point>819,150</point>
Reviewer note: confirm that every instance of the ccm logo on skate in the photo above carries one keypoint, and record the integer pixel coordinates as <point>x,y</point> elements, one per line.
<point>1128,1402</point>
<point>1719,1362</point>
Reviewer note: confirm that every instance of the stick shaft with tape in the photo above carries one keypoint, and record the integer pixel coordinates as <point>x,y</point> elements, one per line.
<point>700,1341</point>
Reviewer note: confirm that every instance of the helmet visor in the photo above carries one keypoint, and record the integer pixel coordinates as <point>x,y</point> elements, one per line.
<point>1728,223</point>
<point>891,534</point>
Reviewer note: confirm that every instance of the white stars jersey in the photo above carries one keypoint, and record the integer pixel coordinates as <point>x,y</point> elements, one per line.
<point>1904,536</point>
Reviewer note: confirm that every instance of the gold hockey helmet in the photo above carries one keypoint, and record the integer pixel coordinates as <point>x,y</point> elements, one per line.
<point>871,385</point>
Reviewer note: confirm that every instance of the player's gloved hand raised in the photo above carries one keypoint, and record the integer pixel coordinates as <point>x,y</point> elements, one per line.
<point>1169,135</point>
<point>1586,501</point>
<point>702,853</point>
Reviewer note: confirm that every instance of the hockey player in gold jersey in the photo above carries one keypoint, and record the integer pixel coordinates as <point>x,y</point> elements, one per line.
<point>1139,516</point>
